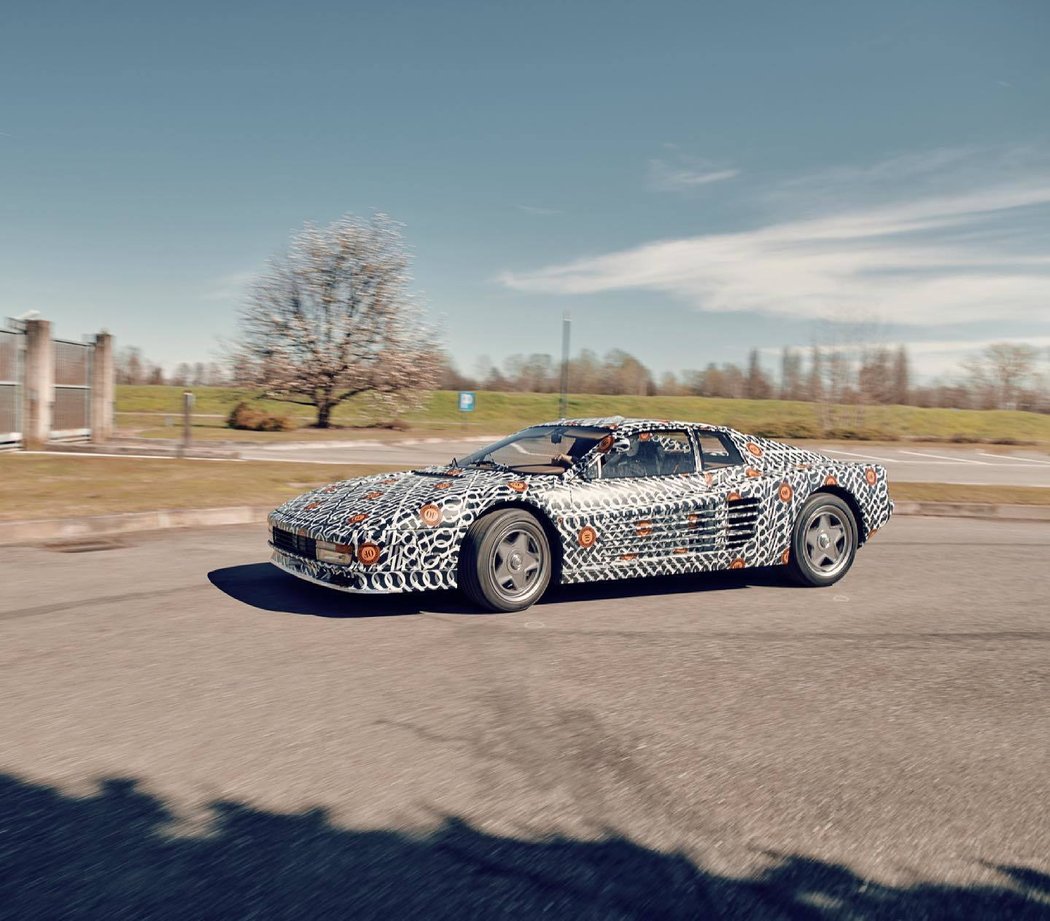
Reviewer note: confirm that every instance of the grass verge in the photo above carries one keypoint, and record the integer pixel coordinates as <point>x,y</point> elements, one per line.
<point>154,412</point>
<point>984,495</point>
<point>66,486</point>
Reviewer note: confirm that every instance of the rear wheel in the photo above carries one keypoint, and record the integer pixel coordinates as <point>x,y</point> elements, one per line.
<point>505,561</point>
<point>823,541</point>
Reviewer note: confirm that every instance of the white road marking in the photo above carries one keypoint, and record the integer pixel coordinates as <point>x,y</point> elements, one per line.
<point>942,457</point>
<point>1014,457</point>
<point>872,457</point>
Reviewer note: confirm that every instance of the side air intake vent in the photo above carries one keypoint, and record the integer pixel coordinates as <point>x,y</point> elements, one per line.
<point>741,520</point>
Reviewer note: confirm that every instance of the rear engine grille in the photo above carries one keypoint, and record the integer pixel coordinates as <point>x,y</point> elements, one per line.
<point>294,543</point>
<point>741,520</point>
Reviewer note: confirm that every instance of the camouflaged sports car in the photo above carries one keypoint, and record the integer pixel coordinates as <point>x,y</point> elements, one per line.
<point>580,500</point>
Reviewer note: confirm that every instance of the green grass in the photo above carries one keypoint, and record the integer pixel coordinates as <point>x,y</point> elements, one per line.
<point>953,492</point>
<point>63,486</point>
<point>145,409</point>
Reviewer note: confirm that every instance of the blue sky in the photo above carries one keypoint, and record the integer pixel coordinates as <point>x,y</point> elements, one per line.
<point>688,179</point>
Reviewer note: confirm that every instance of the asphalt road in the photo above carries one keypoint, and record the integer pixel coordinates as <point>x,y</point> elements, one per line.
<point>187,733</point>
<point>974,464</point>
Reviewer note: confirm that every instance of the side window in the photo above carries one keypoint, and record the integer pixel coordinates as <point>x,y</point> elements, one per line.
<point>652,454</point>
<point>717,450</point>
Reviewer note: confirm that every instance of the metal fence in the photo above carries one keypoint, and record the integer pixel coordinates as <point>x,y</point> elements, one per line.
<point>11,364</point>
<point>72,409</point>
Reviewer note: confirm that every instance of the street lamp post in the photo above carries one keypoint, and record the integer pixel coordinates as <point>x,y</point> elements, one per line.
<point>566,327</point>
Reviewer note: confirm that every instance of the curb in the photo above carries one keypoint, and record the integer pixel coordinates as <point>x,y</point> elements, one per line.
<point>49,529</point>
<point>52,529</point>
<point>113,449</point>
<point>972,510</point>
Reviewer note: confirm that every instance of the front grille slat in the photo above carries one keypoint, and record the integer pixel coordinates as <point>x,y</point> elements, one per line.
<point>297,544</point>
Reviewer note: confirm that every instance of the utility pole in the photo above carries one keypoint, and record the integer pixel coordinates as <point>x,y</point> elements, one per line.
<point>566,327</point>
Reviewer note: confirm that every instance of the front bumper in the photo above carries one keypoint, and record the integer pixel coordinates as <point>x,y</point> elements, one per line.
<point>359,579</point>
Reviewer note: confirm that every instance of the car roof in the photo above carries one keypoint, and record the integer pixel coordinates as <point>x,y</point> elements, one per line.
<point>627,426</point>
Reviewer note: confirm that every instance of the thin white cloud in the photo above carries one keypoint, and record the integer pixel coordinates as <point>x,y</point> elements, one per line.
<point>541,212</point>
<point>933,258</point>
<point>229,288</point>
<point>685,174</point>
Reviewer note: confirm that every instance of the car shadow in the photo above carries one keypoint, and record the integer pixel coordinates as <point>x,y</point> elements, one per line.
<point>267,588</point>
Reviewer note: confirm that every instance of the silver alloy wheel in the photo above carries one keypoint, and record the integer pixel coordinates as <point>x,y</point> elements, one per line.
<point>517,563</point>
<point>827,541</point>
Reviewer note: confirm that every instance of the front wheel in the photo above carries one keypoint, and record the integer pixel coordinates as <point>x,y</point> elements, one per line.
<point>505,561</point>
<point>823,541</point>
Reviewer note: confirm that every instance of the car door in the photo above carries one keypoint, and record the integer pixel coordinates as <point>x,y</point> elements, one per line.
<point>730,505</point>
<point>637,509</point>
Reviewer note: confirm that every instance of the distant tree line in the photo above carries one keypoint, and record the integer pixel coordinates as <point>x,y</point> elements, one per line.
<point>1001,376</point>
<point>132,368</point>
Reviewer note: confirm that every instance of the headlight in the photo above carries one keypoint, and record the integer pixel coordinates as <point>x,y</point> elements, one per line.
<point>334,553</point>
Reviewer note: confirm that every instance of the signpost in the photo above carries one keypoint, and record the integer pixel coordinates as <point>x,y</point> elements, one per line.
<point>467,401</point>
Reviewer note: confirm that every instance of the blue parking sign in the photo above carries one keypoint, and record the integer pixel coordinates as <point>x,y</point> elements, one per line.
<point>466,401</point>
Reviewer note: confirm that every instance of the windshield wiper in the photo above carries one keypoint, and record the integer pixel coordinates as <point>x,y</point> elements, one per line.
<point>489,463</point>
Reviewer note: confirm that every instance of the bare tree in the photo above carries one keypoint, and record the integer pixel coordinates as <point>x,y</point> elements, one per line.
<point>334,319</point>
<point>757,386</point>
<point>999,375</point>
<point>129,366</point>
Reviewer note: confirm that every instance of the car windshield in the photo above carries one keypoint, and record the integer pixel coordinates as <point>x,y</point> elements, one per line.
<point>540,449</point>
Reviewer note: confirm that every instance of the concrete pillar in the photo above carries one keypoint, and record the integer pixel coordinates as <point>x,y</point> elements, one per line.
<point>103,389</point>
<point>39,383</point>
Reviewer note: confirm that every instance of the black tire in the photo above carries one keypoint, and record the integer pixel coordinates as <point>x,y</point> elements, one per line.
<point>505,562</point>
<point>823,541</point>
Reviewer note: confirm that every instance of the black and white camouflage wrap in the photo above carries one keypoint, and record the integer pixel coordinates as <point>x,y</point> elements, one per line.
<point>413,523</point>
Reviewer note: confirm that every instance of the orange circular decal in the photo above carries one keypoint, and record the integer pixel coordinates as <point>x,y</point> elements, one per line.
<point>643,528</point>
<point>627,557</point>
<point>785,492</point>
<point>443,485</point>
<point>518,486</point>
<point>311,506</point>
<point>829,480</point>
<point>454,471</point>
<point>605,444</point>
<point>734,496</point>
<point>872,533</point>
<point>375,494</point>
<point>680,550</point>
<point>737,564</point>
<point>431,515</point>
<point>871,476</point>
<point>587,537</point>
<point>693,519</point>
<point>785,557</point>
<point>389,482</point>
<point>753,449</point>
<point>645,436</point>
<point>356,519</point>
<point>368,554</point>
<point>752,472</point>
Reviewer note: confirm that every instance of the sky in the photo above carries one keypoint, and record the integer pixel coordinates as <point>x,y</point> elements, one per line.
<point>688,179</point>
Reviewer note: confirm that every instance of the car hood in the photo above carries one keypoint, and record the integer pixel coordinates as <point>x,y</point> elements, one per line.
<point>427,498</point>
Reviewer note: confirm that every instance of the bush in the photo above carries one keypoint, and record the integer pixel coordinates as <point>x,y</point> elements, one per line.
<point>788,428</point>
<point>245,416</point>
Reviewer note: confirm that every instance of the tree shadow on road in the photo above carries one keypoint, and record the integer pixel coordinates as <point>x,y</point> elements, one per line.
<point>266,587</point>
<point>120,853</point>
